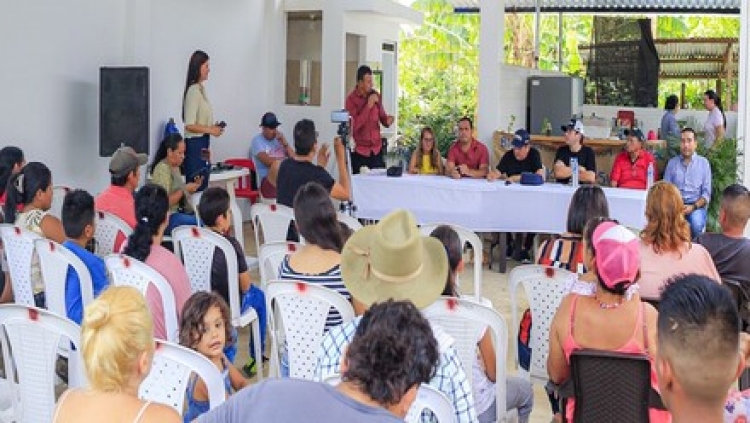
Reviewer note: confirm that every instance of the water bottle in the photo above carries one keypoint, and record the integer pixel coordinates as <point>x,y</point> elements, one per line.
<point>650,175</point>
<point>574,169</point>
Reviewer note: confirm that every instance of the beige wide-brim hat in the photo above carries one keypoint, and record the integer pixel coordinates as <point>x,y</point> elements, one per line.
<point>392,260</point>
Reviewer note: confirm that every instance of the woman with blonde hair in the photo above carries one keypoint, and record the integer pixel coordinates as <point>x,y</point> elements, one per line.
<point>665,245</point>
<point>426,157</point>
<point>117,346</point>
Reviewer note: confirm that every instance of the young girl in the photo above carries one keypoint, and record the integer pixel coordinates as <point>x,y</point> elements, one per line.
<point>205,328</point>
<point>519,393</point>
<point>426,157</point>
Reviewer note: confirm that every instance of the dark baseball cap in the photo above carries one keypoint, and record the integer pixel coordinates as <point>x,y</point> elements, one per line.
<point>521,138</point>
<point>269,120</point>
<point>635,132</point>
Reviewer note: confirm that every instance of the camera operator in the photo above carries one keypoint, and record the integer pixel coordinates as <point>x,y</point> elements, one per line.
<point>366,109</point>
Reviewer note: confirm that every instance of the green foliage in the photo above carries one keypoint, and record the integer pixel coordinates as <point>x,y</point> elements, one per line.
<point>723,158</point>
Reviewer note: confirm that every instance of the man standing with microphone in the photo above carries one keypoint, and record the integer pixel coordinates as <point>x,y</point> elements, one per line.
<point>366,110</point>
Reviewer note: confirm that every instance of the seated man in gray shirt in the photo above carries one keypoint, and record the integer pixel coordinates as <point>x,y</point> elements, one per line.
<point>730,250</point>
<point>378,384</point>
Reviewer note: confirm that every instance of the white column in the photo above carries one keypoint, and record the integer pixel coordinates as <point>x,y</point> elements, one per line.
<point>334,55</point>
<point>491,56</point>
<point>743,112</point>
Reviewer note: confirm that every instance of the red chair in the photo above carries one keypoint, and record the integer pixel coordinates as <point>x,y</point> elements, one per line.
<point>244,186</point>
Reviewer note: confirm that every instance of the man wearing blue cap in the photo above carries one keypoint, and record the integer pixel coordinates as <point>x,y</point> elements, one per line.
<point>522,159</point>
<point>268,146</point>
<point>574,148</point>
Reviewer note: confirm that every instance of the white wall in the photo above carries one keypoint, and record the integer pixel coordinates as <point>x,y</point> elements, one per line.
<point>53,50</point>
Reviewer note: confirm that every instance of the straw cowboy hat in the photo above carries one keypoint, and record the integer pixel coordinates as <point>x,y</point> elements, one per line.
<point>393,260</point>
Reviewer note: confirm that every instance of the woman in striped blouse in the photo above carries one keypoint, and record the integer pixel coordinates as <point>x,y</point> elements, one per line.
<point>319,260</point>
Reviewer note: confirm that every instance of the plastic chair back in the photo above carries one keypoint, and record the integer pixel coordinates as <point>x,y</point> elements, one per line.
<point>545,288</point>
<point>128,271</point>
<point>31,341</point>
<point>170,374</point>
<point>107,228</point>
<point>466,236</point>
<point>270,257</point>
<point>54,260</point>
<point>430,399</point>
<point>349,221</point>
<point>466,321</point>
<point>58,197</point>
<point>270,222</point>
<point>243,188</point>
<point>19,248</point>
<point>196,248</point>
<point>299,311</point>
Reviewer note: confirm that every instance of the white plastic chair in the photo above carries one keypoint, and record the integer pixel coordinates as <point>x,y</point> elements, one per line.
<point>107,227</point>
<point>19,247</point>
<point>349,221</point>
<point>171,369</point>
<point>463,319</point>
<point>545,287</point>
<point>196,247</point>
<point>30,345</point>
<point>272,220</point>
<point>270,256</point>
<point>297,314</point>
<point>465,235</point>
<point>128,271</point>
<point>54,260</point>
<point>58,197</point>
<point>195,199</point>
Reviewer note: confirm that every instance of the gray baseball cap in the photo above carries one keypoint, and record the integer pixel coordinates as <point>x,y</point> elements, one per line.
<point>125,160</point>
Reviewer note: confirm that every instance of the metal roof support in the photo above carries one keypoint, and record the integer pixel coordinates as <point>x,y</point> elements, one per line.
<point>491,57</point>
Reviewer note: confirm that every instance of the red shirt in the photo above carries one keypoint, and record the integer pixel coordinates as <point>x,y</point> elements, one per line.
<point>629,174</point>
<point>366,123</point>
<point>120,202</point>
<point>476,156</point>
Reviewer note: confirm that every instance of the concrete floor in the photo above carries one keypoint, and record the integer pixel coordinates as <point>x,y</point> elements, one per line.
<point>494,287</point>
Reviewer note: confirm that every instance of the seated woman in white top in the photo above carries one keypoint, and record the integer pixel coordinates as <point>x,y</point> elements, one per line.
<point>666,250</point>
<point>117,348</point>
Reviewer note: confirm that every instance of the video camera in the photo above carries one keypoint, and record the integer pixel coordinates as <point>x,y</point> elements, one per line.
<point>342,118</point>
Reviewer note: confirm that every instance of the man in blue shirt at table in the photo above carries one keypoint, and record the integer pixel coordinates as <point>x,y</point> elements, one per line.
<point>691,174</point>
<point>78,221</point>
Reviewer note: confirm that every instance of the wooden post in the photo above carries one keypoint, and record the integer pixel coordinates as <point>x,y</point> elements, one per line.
<point>682,95</point>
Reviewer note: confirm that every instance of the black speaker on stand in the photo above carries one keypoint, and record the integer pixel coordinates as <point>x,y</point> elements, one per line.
<point>123,109</point>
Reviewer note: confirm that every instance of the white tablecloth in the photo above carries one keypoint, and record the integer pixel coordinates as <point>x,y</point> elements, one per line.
<point>484,206</point>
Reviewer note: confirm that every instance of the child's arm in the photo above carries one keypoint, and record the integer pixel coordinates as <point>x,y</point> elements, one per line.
<point>245,281</point>
<point>487,351</point>
<point>200,392</point>
<point>236,379</point>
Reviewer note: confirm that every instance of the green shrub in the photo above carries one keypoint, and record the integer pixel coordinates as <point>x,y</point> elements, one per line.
<point>725,171</point>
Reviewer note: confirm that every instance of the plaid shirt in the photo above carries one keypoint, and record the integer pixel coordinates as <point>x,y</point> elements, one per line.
<point>450,377</point>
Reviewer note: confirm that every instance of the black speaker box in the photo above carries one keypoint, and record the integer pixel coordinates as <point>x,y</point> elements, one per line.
<point>123,109</point>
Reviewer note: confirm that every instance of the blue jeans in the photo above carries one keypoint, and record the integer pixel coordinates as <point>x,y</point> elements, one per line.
<point>256,299</point>
<point>193,162</point>
<point>179,219</point>
<point>697,221</point>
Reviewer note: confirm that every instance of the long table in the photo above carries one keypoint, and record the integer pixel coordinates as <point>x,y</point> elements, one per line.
<point>484,206</point>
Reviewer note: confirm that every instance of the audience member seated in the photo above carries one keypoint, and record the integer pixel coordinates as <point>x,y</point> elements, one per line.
<point>730,250</point>
<point>574,148</point>
<point>125,175</point>
<point>117,348</point>
<point>523,158</point>
<point>30,190</point>
<point>268,146</point>
<point>377,384</point>
<point>630,169</point>
<point>425,159</point>
<point>319,259</point>
<point>391,260</point>
<point>78,221</point>
<point>144,244</point>
<point>691,174</point>
<point>610,319</point>
<point>205,327</point>
<point>11,162</point>
<point>298,171</point>
<point>165,172</point>
<point>519,392</point>
<point>666,249</point>
<point>467,156</point>
<point>699,355</point>
<point>214,209</point>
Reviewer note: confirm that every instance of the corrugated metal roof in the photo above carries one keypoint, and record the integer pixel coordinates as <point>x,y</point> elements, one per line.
<point>685,6</point>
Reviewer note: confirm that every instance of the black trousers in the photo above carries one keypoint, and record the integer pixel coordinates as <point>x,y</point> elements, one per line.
<point>373,161</point>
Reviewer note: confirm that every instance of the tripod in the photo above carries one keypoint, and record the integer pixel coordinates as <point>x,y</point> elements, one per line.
<point>348,206</point>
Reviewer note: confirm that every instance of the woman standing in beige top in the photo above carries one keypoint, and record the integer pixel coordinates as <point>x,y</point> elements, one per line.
<point>199,119</point>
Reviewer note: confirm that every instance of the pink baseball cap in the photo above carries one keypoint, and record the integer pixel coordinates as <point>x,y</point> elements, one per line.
<point>618,255</point>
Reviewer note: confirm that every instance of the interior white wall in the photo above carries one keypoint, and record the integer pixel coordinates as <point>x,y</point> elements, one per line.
<point>53,51</point>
